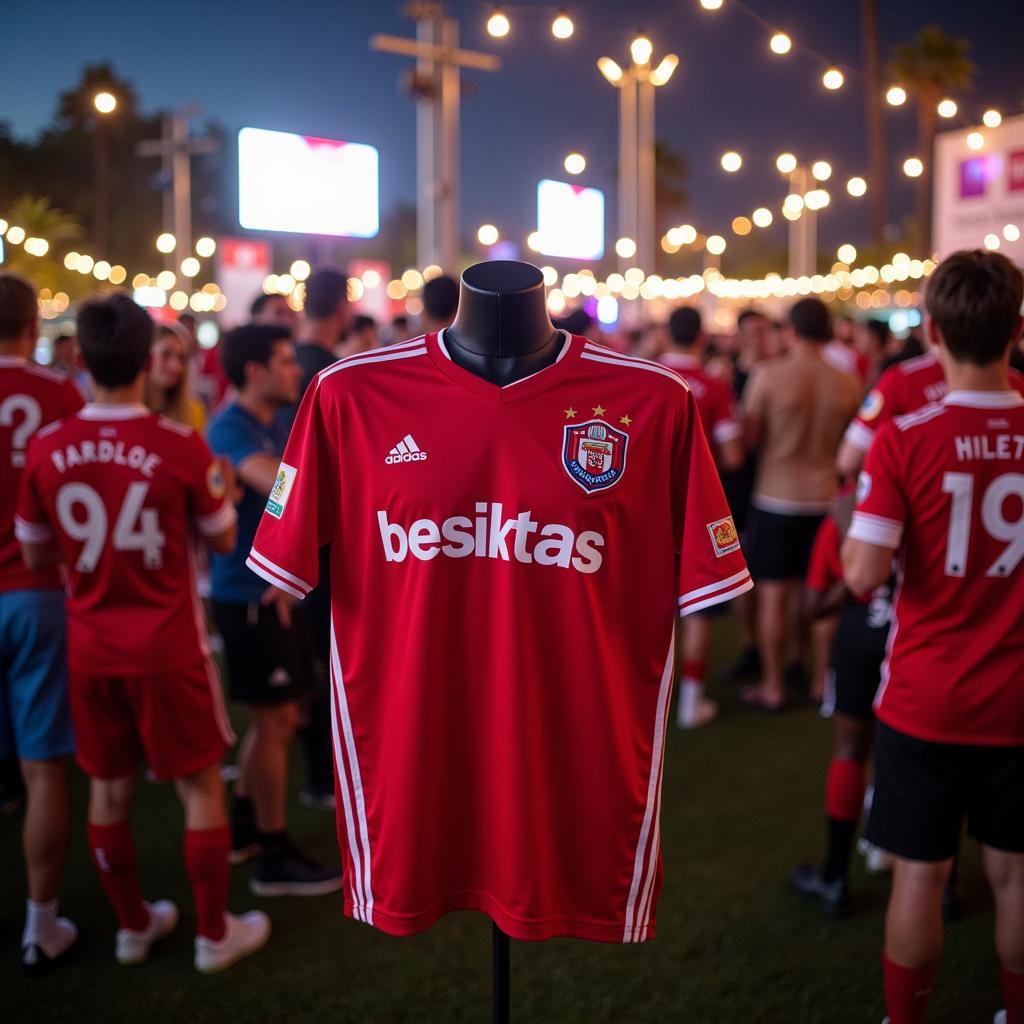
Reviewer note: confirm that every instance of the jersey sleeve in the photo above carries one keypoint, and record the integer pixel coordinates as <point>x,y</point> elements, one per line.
<point>71,399</point>
<point>31,523</point>
<point>825,568</point>
<point>210,507</point>
<point>711,566</point>
<point>301,510</point>
<point>878,407</point>
<point>881,512</point>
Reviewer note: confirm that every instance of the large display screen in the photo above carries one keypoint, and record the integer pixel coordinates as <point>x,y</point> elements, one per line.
<point>570,220</point>
<point>312,186</point>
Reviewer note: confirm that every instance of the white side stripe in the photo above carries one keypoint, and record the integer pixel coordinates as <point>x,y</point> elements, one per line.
<point>653,792</point>
<point>722,595</point>
<point>712,587</point>
<point>361,360</point>
<point>273,580</point>
<point>357,780</point>
<point>638,366</point>
<point>283,573</point>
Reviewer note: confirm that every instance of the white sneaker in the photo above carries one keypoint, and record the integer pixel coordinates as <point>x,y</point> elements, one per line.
<point>704,713</point>
<point>243,935</point>
<point>133,947</point>
<point>1000,1017</point>
<point>876,860</point>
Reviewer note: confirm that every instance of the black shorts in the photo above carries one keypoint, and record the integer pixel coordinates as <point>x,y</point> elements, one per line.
<point>855,666</point>
<point>266,663</point>
<point>779,546</point>
<point>923,792</point>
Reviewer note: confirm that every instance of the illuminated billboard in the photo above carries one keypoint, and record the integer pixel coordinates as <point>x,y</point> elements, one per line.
<point>312,186</point>
<point>570,220</point>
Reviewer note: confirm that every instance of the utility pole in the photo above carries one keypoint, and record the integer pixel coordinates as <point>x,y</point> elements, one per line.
<point>803,231</point>
<point>435,86</point>
<point>176,147</point>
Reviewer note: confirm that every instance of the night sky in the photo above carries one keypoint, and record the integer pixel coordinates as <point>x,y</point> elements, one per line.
<point>307,67</point>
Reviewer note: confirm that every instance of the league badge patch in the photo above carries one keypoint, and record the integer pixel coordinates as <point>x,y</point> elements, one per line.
<point>724,537</point>
<point>594,454</point>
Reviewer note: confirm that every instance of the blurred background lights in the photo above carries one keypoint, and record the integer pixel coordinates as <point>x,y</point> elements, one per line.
<point>731,161</point>
<point>780,43</point>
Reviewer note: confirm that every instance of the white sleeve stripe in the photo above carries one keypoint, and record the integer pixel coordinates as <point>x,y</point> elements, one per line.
<point>691,595</point>
<point>274,580</point>
<point>31,533</point>
<point>725,595</point>
<point>886,533</point>
<point>859,436</point>
<point>726,430</point>
<point>217,522</point>
<point>283,573</point>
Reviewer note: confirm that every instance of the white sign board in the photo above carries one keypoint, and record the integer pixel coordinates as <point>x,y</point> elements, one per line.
<point>307,185</point>
<point>979,192</point>
<point>570,220</point>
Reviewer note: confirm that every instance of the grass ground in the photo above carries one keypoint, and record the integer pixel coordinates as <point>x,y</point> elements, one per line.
<point>742,804</point>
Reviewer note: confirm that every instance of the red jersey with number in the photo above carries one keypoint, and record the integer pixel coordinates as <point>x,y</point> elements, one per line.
<point>121,490</point>
<point>714,398</point>
<point>506,567</point>
<point>945,487</point>
<point>30,398</point>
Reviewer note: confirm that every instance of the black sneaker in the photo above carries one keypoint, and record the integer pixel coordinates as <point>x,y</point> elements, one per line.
<point>832,897</point>
<point>745,667</point>
<point>245,839</point>
<point>284,870</point>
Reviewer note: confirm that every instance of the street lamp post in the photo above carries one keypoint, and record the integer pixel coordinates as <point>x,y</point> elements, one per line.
<point>636,85</point>
<point>105,103</point>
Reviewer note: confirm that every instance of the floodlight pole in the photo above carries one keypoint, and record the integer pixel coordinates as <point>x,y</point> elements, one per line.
<point>435,86</point>
<point>803,231</point>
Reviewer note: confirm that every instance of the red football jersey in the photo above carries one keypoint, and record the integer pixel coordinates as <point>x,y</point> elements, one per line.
<point>122,489</point>
<point>945,486</point>
<point>30,398</point>
<point>714,398</point>
<point>506,567</point>
<point>902,389</point>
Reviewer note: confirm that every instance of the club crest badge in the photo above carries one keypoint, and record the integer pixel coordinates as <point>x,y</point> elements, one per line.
<point>594,454</point>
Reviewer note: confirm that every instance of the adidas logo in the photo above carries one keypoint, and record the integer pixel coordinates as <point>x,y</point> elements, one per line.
<point>407,450</point>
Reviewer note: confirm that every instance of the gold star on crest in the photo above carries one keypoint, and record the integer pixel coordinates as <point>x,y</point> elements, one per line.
<point>569,413</point>
<point>625,421</point>
<point>598,410</point>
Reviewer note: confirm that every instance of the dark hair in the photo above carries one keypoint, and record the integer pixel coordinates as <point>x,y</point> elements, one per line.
<point>260,302</point>
<point>250,343</point>
<point>810,319</point>
<point>114,337</point>
<point>748,314</point>
<point>362,323</point>
<point>326,291</point>
<point>441,298</point>
<point>684,325</point>
<point>974,299</point>
<point>18,307</point>
<point>880,330</point>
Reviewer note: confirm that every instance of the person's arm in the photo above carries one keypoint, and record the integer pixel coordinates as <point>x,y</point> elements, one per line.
<point>753,410</point>
<point>730,454</point>
<point>850,459</point>
<point>211,497</point>
<point>258,471</point>
<point>42,555</point>
<point>865,565</point>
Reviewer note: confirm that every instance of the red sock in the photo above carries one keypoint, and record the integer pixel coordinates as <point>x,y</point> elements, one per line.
<point>906,991</point>
<point>113,854</point>
<point>1013,993</point>
<point>844,789</point>
<point>694,670</point>
<point>206,861</point>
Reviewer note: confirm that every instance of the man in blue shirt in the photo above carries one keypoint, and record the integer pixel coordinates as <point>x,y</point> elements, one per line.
<point>266,636</point>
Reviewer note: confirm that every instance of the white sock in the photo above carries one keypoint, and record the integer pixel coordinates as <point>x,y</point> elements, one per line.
<point>45,929</point>
<point>691,693</point>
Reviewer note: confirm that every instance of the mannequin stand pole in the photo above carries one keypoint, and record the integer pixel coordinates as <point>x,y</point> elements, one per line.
<point>500,976</point>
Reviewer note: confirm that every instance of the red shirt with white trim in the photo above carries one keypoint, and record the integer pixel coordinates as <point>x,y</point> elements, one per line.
<point>714,398</point>
<point>506,568</point>
<point>122,490</point>
<point>945,487</point>
<point>30,398</point>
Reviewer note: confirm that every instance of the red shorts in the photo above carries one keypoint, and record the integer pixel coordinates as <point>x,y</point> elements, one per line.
<point>175,722</point>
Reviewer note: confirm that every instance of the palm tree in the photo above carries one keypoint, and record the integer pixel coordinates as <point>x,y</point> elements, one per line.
<point>929,67</point>
<point>41,219</point>
<point>670,174</point>
<point>877,198</point>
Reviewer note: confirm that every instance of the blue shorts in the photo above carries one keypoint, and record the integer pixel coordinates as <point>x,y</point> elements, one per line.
<point>35,717</point>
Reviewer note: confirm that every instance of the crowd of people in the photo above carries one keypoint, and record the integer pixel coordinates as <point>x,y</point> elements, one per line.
<point>151,464</point>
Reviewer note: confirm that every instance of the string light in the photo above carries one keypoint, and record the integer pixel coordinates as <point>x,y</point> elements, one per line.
<point>833,79</point>
<point>780,43</point>
<point>975,140</point>
<point>487,234</point>
<point>992,119</point>
<point>300,270</point>
<point>786,163</point>
<point>947,108</point>
<point>15,235</point>
<point>991,241</point>
<point>715,245</point>
<point>896,96</point>
<point>846,253</point>
<point>165,243</point>
<point>105,102</point>
<point>913,167</point>
<point>821,170</point>
<point>741,225</point>
<point>205,247</point>
<point>762,217</point>
<point>731,161</point>
<point>856,187</point>
<point>498,24</point>
<point>1011,232</point>
<point>625,248</point>
<point>562,27</point>
<point>575,163</point>
<point>816,199</point>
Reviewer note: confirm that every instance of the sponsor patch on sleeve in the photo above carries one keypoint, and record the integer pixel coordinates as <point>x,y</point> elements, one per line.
<point>281,489</point>
<point>871,406</point>
<point>215,481</point>
<point>724,537</point>
<point>863,487</point>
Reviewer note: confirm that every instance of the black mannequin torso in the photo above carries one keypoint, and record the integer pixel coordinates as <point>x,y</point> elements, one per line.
<point>502,331</point>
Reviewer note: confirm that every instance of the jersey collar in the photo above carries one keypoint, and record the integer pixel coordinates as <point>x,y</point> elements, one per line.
<point>125,411</point>
<point>984,399</point>
<point>569,355</point>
